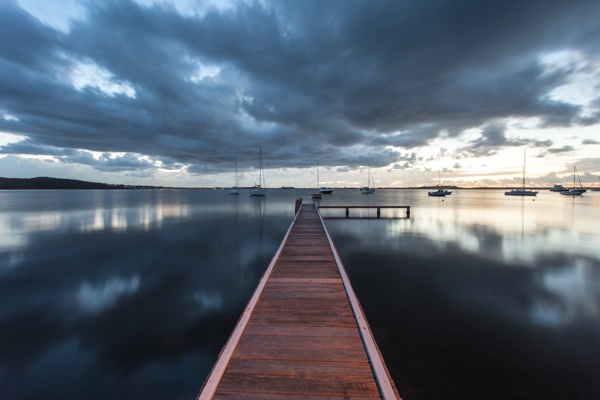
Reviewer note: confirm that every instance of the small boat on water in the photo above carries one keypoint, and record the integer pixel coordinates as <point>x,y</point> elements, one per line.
<point>322,189</point>
<point>575,191</point>
<point>236,188</point>
<point>439,193</point>
<point>368,189</point>
<point>522,191</point>
<point>558,188</point>
<point>259,189</point>
<point>597,189</point>
<point>317,193</point>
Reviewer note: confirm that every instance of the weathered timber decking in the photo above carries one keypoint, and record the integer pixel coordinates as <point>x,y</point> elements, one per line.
<point>300,334</point>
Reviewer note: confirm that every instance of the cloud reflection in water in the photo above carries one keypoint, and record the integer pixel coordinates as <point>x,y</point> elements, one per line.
<point>127,302</point>
<point>489,302</point>
<point>96,298</point>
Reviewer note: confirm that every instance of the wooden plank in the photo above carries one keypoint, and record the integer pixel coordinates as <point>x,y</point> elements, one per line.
<point>305,280</point>
<point>287,385</point>
<point>300,296</point>
<point>300,341</point>
<point>348,355</point>
<point>267,396</point>
<point>322,320</point>
<point>294,330</point>
<point>329,369</point>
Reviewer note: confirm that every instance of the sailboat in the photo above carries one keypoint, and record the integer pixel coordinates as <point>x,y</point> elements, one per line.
<point>317,194</point>
<point>236,188</point>
<point>575,191</point>
<point>441,192</point>
<point>259,189</point>
<point>368,189</point>
<point>597,189</point>
<point>523,191</point>
<point>322,190</point>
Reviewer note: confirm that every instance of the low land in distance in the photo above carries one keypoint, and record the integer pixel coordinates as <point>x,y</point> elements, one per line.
<point>47,183</point>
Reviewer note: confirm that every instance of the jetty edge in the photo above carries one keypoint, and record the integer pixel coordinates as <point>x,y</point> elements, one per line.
<point>303,333</point>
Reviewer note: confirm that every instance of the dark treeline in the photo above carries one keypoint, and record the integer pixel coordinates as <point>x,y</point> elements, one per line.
<point>56,183</point>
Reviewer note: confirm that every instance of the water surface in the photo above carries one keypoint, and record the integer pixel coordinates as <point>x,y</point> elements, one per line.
<point>132,294</point>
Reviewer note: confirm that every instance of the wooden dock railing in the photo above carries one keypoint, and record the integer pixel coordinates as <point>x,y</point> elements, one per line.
<point>303,333</point>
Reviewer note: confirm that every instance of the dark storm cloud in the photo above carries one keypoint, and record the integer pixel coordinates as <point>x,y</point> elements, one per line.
<point>105,162</point>
<point>558,150</point>
<point>406,161</point>
<point>339,81</point>
<point>492,138</point>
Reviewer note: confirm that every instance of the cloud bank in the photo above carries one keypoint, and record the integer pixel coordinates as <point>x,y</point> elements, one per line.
<point>347,83</point>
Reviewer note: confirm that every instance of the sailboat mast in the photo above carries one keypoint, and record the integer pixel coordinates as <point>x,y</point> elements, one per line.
<point>261,176</point>
<point>524,160</point>
<point>317,174</point>
<point>237,183</point>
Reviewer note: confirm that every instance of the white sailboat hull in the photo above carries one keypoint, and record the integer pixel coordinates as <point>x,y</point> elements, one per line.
<point>258,191</point>
<point>521,192</point>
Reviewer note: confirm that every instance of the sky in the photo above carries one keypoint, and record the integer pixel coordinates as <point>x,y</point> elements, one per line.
<point>179,92</point>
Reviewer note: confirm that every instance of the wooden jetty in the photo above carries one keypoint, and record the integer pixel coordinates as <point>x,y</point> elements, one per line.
<point>303,334</point>
<point>378,208</point>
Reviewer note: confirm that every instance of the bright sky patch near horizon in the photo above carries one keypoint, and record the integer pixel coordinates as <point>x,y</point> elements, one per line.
<point>175,93</point>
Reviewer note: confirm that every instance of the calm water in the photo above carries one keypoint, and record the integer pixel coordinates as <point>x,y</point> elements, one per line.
<point>132,294</point>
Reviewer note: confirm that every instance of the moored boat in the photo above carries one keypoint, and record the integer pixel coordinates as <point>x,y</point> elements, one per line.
<point>575,191</point>
<point>522,191</point>
<point>236,188</point>
<point>558,188</point>
<point>439,193</point>
<point>317,194</point>
<point>368,189</point>
<point>259,189</point>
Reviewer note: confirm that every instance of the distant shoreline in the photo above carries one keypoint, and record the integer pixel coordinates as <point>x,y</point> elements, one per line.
<point>47,183</point>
